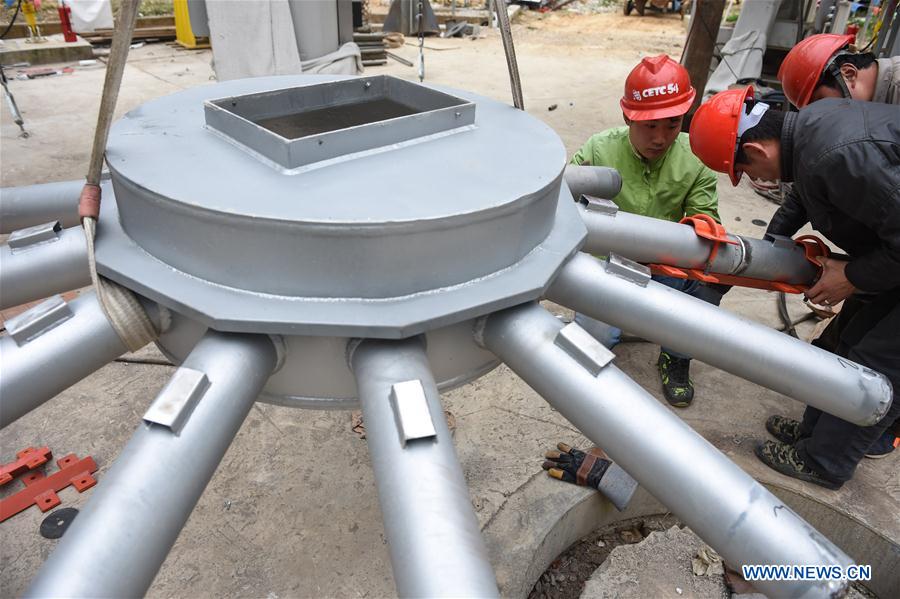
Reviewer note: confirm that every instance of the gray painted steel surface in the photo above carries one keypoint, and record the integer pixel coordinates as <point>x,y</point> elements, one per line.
<point>303,125</point>
<point>31,205</point>
<point>345,252</point>
<point>432,532</point>
<point>732,512</point>
<point>316,374</point>
<point>37,270</point>
<point>734,344</point>
<point>599,181</point>
<point>157,480</point>
<point>651,240</point>
<point>60,357</point>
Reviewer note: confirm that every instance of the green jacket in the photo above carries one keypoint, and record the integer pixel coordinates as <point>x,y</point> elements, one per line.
<point>671,187</point>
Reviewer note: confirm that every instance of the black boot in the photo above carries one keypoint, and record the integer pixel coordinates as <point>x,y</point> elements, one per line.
<point>786,430</point>
<point>676,381</point>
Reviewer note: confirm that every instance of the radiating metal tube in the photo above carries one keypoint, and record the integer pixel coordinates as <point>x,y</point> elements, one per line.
<point>729,510</point>
<point>654,241</point>
<point>121,538</point>
<point>35,370</point>
<point>598,181</point>
<point>432,532</point>
<point>732,343</point>
<point>55,262</point>
<point>30,205</point>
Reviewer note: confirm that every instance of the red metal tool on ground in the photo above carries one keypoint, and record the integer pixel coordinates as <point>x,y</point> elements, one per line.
<point>27,459</point>
<point>41,491</point>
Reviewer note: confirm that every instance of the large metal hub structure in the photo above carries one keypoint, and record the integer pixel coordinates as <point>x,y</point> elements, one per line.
<point>335,207</point>
<point>328,242</point>
<point>428,209</point>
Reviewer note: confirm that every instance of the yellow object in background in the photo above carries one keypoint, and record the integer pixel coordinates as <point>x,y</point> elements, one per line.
<point>30,11</point>
<point>184,35</point>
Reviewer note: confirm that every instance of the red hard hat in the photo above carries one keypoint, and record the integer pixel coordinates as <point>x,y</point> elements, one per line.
<point>657,88</point>
<point>802,68</point>
<point>714,130</point>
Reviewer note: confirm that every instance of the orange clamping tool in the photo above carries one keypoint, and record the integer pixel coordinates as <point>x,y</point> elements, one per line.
<point>706,227</point>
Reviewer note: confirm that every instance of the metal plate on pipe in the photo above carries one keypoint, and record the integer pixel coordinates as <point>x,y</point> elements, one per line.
<point>599,205</point>
<point>628,269</point>
<point>24,239</point>
<point>38,320</point>
<point>584,348</point>
<point>174,404</point>
<point>411,414</point>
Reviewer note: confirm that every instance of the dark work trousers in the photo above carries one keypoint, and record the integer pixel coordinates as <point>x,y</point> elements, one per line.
<point>866,331</point>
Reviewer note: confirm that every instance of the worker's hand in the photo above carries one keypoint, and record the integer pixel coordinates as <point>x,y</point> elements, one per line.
<point>575,466</point>
<point>832,286</point>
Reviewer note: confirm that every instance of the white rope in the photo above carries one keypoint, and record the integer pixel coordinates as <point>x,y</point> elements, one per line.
<point>122,308</point>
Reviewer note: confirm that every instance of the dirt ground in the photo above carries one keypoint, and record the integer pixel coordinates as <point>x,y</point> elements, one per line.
<point>278,520</point>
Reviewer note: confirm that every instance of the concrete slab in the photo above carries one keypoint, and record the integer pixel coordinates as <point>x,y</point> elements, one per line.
<point>54,49</point>
<point>658,566</point>
<point>292,510</point>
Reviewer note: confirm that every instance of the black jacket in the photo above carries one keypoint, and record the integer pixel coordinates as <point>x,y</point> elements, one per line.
<point>844,159</point>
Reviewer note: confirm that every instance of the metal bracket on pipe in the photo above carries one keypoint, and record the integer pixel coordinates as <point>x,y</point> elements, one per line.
<point>175,403</point>
<point>628,269</point>
<point>600,205</point>
<point>780,241</point>
<point>411,411</point>
<point>583,348</point>
<point>25,239</point>
<point>36,321</point>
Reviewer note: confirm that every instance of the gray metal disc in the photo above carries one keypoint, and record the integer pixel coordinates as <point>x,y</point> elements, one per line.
<point>387,242</point>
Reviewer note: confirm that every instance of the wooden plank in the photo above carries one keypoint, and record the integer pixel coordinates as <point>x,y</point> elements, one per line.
<point>20,29</point>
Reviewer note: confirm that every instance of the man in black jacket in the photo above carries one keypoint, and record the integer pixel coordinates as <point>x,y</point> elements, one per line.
<point>843,157</point>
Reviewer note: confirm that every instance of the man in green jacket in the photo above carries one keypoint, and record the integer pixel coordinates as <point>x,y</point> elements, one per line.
<point>661,178</point>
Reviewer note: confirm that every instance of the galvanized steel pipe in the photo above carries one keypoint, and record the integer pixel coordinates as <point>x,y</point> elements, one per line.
<point>55,359</point>
<point>433,535</point>
<point>655,241</point>
<point>157,480</point>
<point>732,512</point>
<point>30,205</point>
<point>732,343</point>
<point>37,270</point>
<point>597,181</point>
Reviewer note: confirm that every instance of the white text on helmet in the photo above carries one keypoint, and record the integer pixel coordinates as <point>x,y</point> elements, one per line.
<point>662,90</point>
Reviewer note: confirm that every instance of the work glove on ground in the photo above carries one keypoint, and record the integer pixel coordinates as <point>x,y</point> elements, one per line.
<point>576,466</point>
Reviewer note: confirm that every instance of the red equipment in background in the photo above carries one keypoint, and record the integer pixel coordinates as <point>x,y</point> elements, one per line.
<point>65,21</point>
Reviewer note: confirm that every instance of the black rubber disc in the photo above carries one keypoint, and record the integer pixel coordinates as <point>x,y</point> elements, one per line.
<point>55,525</point>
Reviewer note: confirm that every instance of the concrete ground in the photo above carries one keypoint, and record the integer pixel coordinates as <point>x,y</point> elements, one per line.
<point>292,510</point>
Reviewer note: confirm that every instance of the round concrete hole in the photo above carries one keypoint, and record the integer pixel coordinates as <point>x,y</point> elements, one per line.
<point>589,529</point>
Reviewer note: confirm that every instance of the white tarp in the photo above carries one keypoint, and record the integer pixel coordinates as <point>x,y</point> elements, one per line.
<point>90,15</point>
<point>742,55</point>
<point>256,39</point>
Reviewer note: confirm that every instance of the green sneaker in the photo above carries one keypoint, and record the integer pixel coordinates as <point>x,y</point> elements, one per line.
<point>676,381</point>
<point>786,430</point>
<point>784,458</point>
